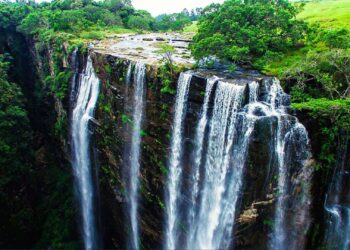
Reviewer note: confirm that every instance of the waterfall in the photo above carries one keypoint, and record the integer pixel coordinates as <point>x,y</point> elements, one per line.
<point>253,91</point>
<point>218,159</point>
<point>175,169</point>
<point>290,133</point>
<point>82,114</point>
<point>337,203</point>
<point>134,166</point>
<point>211,224</point>
<point>128,74</point>
<point>197,158</point>
<point>75,68</point>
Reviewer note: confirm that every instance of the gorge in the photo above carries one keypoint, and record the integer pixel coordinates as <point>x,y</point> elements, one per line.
<point>130,141</point>
<point>226,133</point>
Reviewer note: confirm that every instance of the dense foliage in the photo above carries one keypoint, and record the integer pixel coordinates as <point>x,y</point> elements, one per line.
<point>248,32</point>
<point>73,19</point>
<point>320,86</point>
<point>16,160</point>
<point>172,22</point>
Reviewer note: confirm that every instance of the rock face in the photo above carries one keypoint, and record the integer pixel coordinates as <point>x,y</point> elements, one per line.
<point>145,48</point>
<point>256,206</point>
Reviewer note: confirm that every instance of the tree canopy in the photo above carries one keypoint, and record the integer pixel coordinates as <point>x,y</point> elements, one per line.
<point>248,31</point>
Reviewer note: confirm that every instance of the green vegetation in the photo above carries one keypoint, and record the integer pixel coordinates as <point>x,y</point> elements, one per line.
<point>183,21</point>
<point>15,161</point>
<point>191,28</point>
<point>172,22</point>
<point>328,14</point>
<point>74,21</point>
<point>333,124</point>
<point>248,32</point>
<point>141,20</point>
<point>306,46</point>
<point>168,69</point>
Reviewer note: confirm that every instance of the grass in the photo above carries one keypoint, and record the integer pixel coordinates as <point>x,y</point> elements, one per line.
<point>327,13</point>
<point>93,35</point>
<point>120,30</point>
<point>191,28</point>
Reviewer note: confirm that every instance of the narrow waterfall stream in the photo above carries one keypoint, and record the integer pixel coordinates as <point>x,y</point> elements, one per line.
<point>175,170</point>
<point>221,142</point>
<point>134,166</point>
<point>337,203</point>
<point>197,159</point>
<point>81,160</point>
<point>289,133</point>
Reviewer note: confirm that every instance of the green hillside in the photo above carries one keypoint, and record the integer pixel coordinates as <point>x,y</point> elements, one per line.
<point>327,13</point>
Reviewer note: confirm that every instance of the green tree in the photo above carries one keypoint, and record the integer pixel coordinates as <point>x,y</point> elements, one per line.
<point>323,74</point>
<point>11,14</point>
<point>141,20</point>
<point>174,22</point>
<point>247,31</point>
<point>16,158</point>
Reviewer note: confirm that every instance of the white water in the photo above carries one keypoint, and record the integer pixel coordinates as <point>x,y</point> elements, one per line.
<point>138,110</point>
<point>175,168</point>
<point>253,91</point>
<point>217,166</point>
<point>75,64</point>
<point>337,204</point>
<point>197,158</point>
<point>218,159</point>
<point>128,74</point>
<point>209,231</point>
<point>82,114</point>
<point>288,130</point>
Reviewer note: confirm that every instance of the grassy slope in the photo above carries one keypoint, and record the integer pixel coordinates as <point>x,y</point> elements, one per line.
<point>326,13</point>
<point>191,28</point>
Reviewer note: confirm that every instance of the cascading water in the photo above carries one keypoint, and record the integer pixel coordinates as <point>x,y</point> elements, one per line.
<point>175,169</point>
<point>253,91</point>
<point>82,114</point>
<point>337,203</point>
<point>212,222</point>
<point>219,156</point>
<point>128,74</point>
<point>134,166</point>
<point>289,133</point>
<point>197,159</point>
<point>75,68</point>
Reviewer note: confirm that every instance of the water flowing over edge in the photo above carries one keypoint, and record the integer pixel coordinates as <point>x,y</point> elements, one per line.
<point>138,110</point>
<point>82,114</point>
<point>212,218</point>
<point>289,131</point>
<point>175,170</point>
<point>211,210</point>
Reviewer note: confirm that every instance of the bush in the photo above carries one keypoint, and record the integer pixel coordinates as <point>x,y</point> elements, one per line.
<point>325,74</point>
<point>141,20</point>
